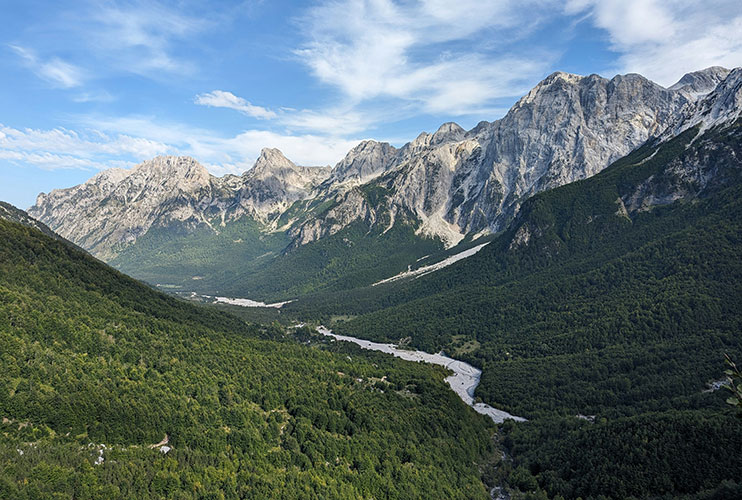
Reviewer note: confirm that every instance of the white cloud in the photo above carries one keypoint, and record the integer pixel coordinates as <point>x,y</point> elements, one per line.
<point>61,148</point>
<point>49,161</point>
<point>224,99</point>
<point>141,35</point>
<point>664,40</point>
<point>107,142</point>
<point>94,96</point>
<point>422,51</point>
<point>239,151</point>
<point>302,149</point>
<point>332,121</point>
<point>335,121</point>
<point>55,71</point>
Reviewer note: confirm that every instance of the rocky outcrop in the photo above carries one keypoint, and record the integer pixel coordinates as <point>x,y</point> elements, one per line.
<point>274,183</point>
<point>362,163</point>
<point>116,207</point>
<point>567,128</point>
<point>712,158</point>
<point>722,105</point>
<point>447,184</point>
<point>699,83</point>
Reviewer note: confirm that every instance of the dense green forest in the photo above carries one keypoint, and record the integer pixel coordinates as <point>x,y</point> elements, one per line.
<point>602,313</point>
<point>621,318</point>
<point>97,368</point>
<point>183,258</point>
<point>643,307</point>
<point>582,307</point>
<point>691,454</point>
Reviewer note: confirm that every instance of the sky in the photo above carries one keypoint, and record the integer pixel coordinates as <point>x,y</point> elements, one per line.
<point>93,84</point>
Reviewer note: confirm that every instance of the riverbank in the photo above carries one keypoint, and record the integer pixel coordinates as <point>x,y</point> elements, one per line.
<point>464,380</point>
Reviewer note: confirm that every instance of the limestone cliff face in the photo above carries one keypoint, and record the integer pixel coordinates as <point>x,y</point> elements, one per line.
<point>697,156</point>
<point>567,128</point>
<point>362,163</point>
<point>274,183</point>
<point>700,83</point>
<point>447,184</point>
<point>118,206</point>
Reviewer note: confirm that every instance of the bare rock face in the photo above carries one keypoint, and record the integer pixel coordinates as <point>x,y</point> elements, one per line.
<point>117,206</point>
<point>567,128</point>
<point>362,163</point>
<point>699,83</point>
<point>722,105</point>
<point>447,184</point>
<point>274,183</point>
<point>707,163</point>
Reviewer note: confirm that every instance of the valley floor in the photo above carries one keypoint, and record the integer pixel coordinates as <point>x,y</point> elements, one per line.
<point>464,380</point>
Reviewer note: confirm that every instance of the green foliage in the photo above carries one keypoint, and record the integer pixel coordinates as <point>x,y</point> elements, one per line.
<point>90,357</point>
<point>668,453</point>
<point>643,308</point>
<point>240,259</point>
<point>348,259</point>
<point>580,307</point>
<point>199,258</point>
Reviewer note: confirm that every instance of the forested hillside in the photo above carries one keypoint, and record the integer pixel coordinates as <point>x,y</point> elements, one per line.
<point>241,260</point>
<point>614,297</point>
<point>584,289</point>
<point>98,371</point>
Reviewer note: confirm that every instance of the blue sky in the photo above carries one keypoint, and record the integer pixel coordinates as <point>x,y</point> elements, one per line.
<point>88,85</point>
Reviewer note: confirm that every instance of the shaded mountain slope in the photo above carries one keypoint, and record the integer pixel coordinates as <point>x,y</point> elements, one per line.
<point>97,367</point>
<point>641,262</point>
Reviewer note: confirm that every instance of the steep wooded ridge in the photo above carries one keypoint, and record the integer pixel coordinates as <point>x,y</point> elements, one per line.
<point>97,368</point>
<point>13,214</point>
<point>614,298</point>
<point>391,205</point>
<point>667,195</point>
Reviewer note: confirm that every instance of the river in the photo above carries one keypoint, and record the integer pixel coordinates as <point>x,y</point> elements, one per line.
<point>464,380</point>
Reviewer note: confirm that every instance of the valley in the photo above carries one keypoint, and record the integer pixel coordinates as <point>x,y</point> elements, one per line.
<point>280,231</point>
<point>99,366</point>
<point>572,273</point>
<point>463,382</point>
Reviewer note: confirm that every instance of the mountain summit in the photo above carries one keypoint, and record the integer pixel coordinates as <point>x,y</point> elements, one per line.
<point>440,187</point>
<point>116,207</point>
<point>699,83</point>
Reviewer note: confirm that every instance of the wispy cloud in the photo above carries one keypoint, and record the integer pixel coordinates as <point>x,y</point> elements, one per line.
<point>124,141</point>
<point>62,148</point>
<point>227,153</point>
<point>94,96</point>
<point>224,99</point>
<point>141,34</point>
<point>54,70</point>
<point>431,52</point>
<point>329,121</point>
<point>662,40</point>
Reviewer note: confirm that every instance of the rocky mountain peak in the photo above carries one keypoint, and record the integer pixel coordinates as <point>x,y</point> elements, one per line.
<point>452,182</point>
<point>448,132</point>
<point>700,83</point>
<point>365,161</point>
<point>171,167</point>
<point>561,76</point>
<point>722,105</point>
<point>270,161</point>
<point>555,90</point>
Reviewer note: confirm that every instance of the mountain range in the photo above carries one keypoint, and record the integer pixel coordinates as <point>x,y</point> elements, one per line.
<point>434,193</point>
<point>593,274</point>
